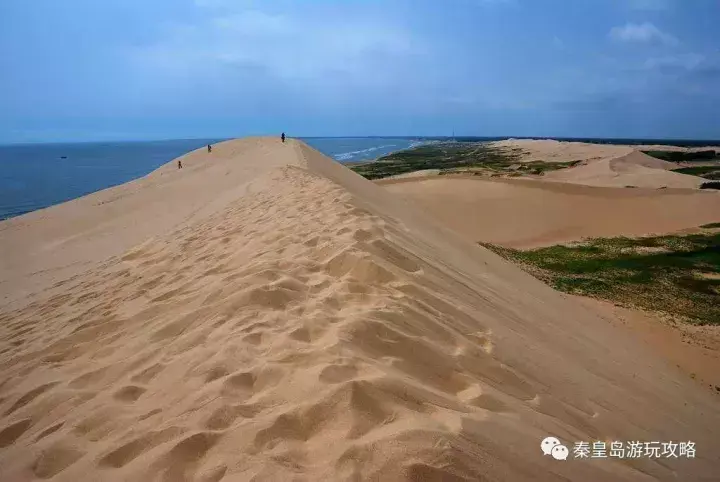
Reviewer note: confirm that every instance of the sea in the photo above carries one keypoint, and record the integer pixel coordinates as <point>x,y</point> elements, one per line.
<point>35,176</point>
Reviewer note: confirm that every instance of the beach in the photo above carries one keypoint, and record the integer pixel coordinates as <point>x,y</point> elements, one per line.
<point>264,313</point>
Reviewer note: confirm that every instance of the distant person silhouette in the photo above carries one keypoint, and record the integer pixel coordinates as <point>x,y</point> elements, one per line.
<point>179,164</point>
<point>209,148</point>
<point>283,137</point>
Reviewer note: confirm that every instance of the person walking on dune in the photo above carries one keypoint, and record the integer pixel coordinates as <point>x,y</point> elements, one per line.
<point>209,148</point>
<point>179,164</point>
<point>282,136</point>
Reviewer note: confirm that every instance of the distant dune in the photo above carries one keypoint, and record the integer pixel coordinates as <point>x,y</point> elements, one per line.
<point>632,170</point>
<point>266,314</point>
<point>550,150</point>
<point>524,213</point>
<point>563,151</point>
<point>604,164</point>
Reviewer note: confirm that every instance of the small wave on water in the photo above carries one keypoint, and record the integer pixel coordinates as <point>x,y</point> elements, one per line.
<point>346,156</point>
<point>356,149</point>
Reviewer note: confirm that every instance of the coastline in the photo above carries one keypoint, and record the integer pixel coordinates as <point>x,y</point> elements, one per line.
<point>38,176</point>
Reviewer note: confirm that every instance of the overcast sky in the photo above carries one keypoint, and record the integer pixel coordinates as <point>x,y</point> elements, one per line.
<point>139,69</point>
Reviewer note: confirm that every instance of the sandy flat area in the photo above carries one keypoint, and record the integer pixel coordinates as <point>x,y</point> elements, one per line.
<point>265,314</point>
<point>523,213</point>
<point>694,349</point>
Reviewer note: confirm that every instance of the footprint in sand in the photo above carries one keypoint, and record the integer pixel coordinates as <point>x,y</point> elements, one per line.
<point>49,431</point>
<point>337,373</point>
<point>128,452</point>
<point>129,393</point>
<point>54,460</point>
<point>181,462</point>
<point>14,431</point>
<point>224,416</point>
<point>30,396</point>
<point>148,373</point>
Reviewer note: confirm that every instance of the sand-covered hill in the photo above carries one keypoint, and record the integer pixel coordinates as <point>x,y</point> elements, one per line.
<point>266,314</point>
<point>631,170</point>
<point>550,150</point>
<point>525,213</point>
<point>603,164</point>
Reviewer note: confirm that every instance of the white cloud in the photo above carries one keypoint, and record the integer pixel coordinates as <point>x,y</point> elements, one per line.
<point>292,48</point>
<point>641,33</point>
<point>291,45</point>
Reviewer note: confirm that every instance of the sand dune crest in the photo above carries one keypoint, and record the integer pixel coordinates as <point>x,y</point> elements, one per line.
<point>632,170</point>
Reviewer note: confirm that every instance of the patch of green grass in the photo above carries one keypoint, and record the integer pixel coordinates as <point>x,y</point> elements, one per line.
<point>673,274</point>
<point>446,156</point>
<point>710,225</point>
<point>453,157</point>
<point>707,172</point>
<point>710,185</point>
<point>681,156</point>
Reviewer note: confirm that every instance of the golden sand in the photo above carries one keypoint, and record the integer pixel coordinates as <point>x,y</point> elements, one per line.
<point>266,314</point>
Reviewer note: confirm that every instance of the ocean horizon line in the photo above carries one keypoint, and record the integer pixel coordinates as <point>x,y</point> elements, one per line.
<point>636,140</point>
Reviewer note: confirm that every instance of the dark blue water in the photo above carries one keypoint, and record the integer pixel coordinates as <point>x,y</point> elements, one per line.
<point>34,176</point>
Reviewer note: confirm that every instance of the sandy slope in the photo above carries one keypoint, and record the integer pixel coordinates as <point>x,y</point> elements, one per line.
<point>561,151</point>
<point>62,240</point>
<point>603,164</point>
<point>523,213</point>
<point>695,349</point>
<point>301,323</point>
<point>635,169</point>
<point>565,151</point>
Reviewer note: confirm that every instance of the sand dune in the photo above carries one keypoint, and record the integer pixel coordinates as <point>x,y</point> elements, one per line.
<point>567,151</point>
<point>603,164</point>
<point>523,213</point>
<point>266,314</point>
<point>550,150</point>
<point>635,169</point>
<point>639,159</point>
<point>52,244</point>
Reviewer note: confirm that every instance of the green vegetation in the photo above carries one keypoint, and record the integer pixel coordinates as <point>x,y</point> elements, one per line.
<point>711,226</point>
<point>710,185</point>
<point>679,275</point>
<point>707,172</point>
<point>456,157</point>
<point>443,156</point>
<point>680,156</point>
